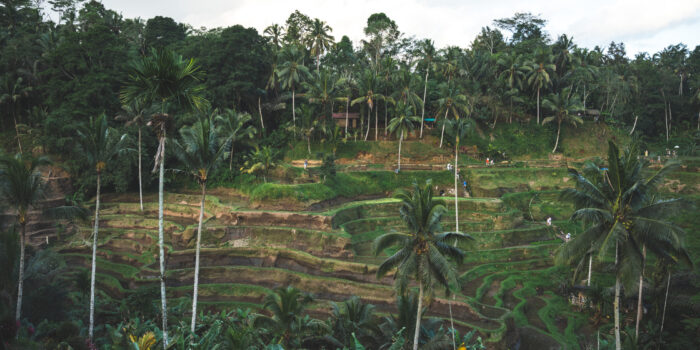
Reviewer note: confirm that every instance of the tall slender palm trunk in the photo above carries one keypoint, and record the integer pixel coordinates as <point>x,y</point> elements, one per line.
<point>294,114</point>
<point>420,306</point>
<point>19,142</point>
<point>230,159</point>
<point>616,303</point>
<point>376,124</point>
<point>20,282</point>
<point>400,140</point>
<point>386,119</point>
<point>663,314</point>
<point>94,259</point>
<point>590,267</point>
<point>538,106</point>
<point>347,109</point>
<point>262,123</point>
<point>556,144</point>
<point>196,257</point>
<point>454,343</point>
<point>163,300</point>
<point>639,296</point>
<point>140,181</point>
<point>369,116</point>
<point>425,91</point>
<point>442,134</point>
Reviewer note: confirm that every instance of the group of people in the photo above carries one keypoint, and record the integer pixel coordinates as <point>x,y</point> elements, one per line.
<point>669,154</point>
<point>489,161</point>
<point>567,237</point>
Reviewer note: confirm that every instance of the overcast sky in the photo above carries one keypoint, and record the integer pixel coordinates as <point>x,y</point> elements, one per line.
<point>642,25</point>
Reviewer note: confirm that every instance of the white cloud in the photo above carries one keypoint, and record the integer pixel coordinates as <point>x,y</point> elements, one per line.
<point>644,25</point>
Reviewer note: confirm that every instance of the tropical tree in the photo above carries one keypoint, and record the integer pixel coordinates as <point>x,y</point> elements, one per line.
<point>539,74</point>
<point>452,102</point>
<point>457,130</point>
<point>287,325</point>
<point>564,106</point>
<point>620,213</point>
<point>260,161</point>
<point>402,123</point>
<point>428,53</point>
<point>200,150</point>
<point>367,86</point>
<point>100,144</point>
<point>21,188</point>
<point>325,89</point>
<point>423,253</point>
<point>234,126</point>
<point>134,115</point>
<point>512,74</point>
<point>292,72</point>
<point>353,317</point>
<point>319,40</point>
<point>167,79</point>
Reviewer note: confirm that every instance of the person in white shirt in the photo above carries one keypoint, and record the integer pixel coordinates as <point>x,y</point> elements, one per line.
<point>549,221</point>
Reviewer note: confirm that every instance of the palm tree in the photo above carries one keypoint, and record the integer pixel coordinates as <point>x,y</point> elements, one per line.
<point>457,130</point>
<point>405,81</point>
<point>200,151</point>
<point>21,187</point>
<point>100,144</point>
<point>274,32</point>
<point>402,124</point>
<point>452,102</point>
<point>292,72</point>
<point>260,161</point>
<point>286,323</point>
<point>422,252</point>
<point>539,74</point>
<point>512,74</point>
<point>13,93</point>
<point>617,207</point>
<point>233,126</point>
<point>134,114</point>
<point>318,40</point>
<point>325,89</point>
<point>367,85</point>
<point>428,52</point>
<point>352,316</point>
<point>564,106</point>
<point>164,78</point>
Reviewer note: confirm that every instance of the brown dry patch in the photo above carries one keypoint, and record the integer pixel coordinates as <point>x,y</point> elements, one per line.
<point>280,219</point>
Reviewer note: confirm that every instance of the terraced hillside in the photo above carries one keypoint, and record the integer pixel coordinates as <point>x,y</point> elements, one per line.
<point>326,250</point>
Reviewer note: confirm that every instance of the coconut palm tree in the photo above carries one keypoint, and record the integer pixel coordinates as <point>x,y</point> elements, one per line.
<point>100,144</point>
<point>21,188</point>
<point>403,123</point>
<point>325,89</point>
<point>457,130</point>
<point>164,78</point>
<point>539,74</point>
<point>512,74</point>
<point>292,72</point>
<point>352,316</point>
<point>428,53</point>
<point>319,40</point>
<point>200,150</point>
<point>233,126</point>
<point>620,213</point>
<point>287,325</point>
<point>564,106</point>
<point>452,102</point>
<point>134,115</point>
<point>367,86</point>
<point>423,253</point>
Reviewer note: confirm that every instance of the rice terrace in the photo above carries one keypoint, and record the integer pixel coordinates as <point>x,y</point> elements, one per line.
<point>302,184</point>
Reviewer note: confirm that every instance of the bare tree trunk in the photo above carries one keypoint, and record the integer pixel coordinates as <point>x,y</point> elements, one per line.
<point>308,144</point>
<point>161,251</point>
<point>420,306</point>
<point>386,119</point>
<point>19,143</point>
<point>634,125</point>
<point>369,116</point>
<point>663,314</point>
<point>639,295</point>
<point>557,142</point>
<point>94,260</point>
<point>262,124</point>
<point>400,141</point>
<point>140,176</point>
<point>196,259</point>
<point>294,114</point>
<point>665,113</point>
<point>376,124</point>
<point>590,268</point>
<point>442,134</point>
<point>230,158</point>
<point>20,282</point>
<point>425,90</point>
<point>347,109</point>
<point>616,303</point>
<point>538,106</point>
<point>456,192</point>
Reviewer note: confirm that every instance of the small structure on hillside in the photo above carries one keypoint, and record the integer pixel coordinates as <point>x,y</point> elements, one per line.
<point>352,119</point>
